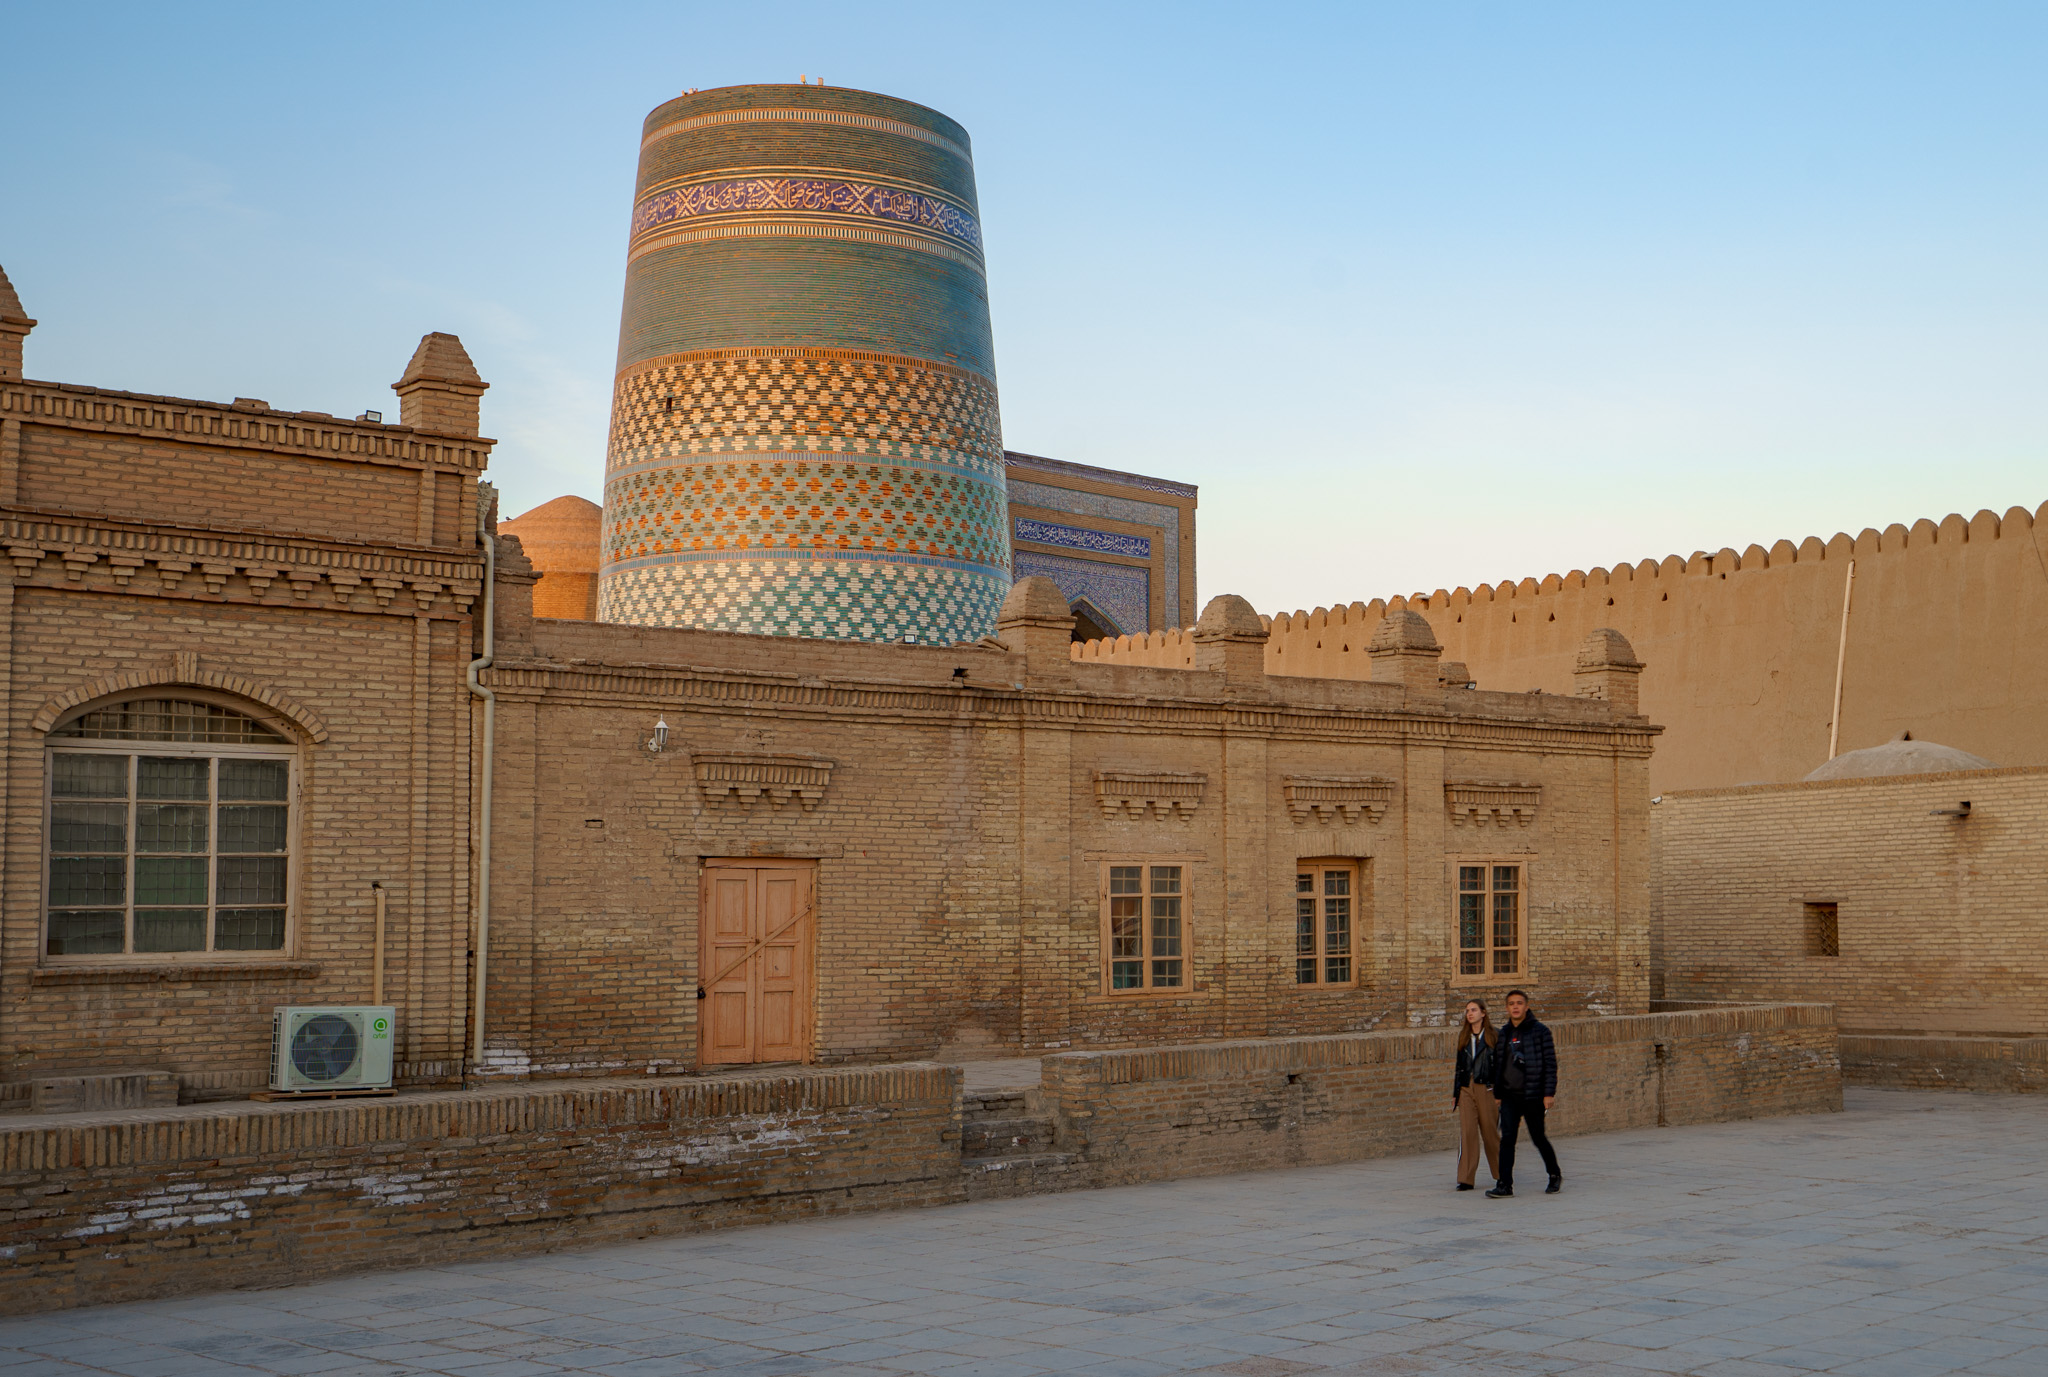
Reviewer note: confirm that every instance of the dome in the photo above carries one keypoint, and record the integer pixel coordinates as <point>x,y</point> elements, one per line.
<point>561,536</point>
<point>1902,755</point>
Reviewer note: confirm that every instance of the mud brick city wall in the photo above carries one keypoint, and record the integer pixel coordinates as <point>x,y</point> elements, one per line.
<point>1937,917</point>
<point>223,1197</point>
<point>1163,1113</point>
<point>1948,639</point>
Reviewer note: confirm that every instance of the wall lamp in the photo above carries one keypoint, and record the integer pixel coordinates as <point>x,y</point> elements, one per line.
<point>1959,812</point>
<point>659,740</point>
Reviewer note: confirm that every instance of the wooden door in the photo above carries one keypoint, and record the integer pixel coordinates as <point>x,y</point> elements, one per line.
<point>754,955</point>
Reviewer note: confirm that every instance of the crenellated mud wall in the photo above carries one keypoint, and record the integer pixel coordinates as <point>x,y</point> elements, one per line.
<point>1948,638</point>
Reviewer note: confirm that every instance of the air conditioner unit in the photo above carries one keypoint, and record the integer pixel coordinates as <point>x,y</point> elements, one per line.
<point>331,1048</point>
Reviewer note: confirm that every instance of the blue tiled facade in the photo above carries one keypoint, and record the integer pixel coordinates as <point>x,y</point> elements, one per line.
<point>1122,591</point>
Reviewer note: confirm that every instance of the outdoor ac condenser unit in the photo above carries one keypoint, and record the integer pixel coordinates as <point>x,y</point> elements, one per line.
<point>331,1049</point>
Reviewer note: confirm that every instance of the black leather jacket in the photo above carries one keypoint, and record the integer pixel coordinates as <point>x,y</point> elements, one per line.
<point>1467,1073</point>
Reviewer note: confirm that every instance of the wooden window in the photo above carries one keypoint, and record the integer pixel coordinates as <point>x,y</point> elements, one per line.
<point>170,833</point>
<point>1823,930</point>
<point>1492,918</point>
<point>1145,927</point>
<point>1326,898</point>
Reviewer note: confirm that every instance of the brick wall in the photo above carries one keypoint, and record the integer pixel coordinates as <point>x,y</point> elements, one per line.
<point>258,1195</point>
<point>1938,918</point>
<point>960,843</point>
<point>1161,1113</point>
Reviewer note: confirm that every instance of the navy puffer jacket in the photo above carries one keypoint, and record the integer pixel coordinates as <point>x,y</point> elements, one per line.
<point>1530,1045</point>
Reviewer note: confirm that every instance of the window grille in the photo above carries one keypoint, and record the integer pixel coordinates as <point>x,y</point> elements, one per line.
<point>1491,921</point>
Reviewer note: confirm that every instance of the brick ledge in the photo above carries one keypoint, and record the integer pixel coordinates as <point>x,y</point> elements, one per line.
<point>219,970</point>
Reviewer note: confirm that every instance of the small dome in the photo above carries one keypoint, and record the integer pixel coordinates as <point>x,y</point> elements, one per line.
<point>1034,599</point>
<point>560,537</point>
<point>1902,755</point>
<point>1403,630</point>
<point>1228,615</point>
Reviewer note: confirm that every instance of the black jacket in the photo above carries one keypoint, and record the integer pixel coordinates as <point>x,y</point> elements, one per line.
<point>1468,1074</point>
<point>1530,1045</point>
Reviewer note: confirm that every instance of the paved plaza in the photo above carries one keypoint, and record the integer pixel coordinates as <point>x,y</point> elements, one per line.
<point>1906,1236</point>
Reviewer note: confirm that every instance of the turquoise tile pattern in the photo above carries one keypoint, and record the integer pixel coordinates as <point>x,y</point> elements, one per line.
<point>805,435</point>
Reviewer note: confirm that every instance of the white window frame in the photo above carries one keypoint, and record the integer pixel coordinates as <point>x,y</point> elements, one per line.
<point>286,750</point>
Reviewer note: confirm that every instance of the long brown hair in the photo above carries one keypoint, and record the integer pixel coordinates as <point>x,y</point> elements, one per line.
<point>1485,1023</point>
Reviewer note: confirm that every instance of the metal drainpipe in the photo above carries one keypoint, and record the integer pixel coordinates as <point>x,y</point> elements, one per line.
<point>483,850</point>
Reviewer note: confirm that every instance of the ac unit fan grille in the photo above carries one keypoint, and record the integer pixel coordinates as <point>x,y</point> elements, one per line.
<point>326,1048</point>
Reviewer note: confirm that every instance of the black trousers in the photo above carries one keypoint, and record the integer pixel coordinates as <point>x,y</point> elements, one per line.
<point>1514,1110</point>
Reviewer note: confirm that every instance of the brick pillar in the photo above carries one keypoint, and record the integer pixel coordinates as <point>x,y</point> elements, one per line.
<point>14,328</point>
<point>1230,640</point>
<point>1057,919</point>
<point>1424,969</point>
<point>1035,622</point>
<point>1247,914</point>
<point>1404,651</point>
<point>1608,669</point>
<point>440,390</point>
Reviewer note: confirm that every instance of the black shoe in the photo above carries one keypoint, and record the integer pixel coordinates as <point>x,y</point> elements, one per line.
<point>1465,1185</point>
<point>1556,1185</point>
<point>1500,1192</point>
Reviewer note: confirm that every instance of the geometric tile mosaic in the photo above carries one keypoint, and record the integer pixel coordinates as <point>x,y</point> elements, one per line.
<point>833,598</point>
<point>782,490</point>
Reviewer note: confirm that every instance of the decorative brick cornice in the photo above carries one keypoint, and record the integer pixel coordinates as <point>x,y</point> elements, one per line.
<point>712,690</point>
<point>1479,803</point>
<point>181,420</point>
<point>1134,793</point>
<point>746,779</point>
<point>95,556</point>
<point>1328,797</point>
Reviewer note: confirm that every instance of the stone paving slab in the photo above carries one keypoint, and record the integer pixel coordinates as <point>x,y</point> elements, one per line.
<point>1906,1237</point>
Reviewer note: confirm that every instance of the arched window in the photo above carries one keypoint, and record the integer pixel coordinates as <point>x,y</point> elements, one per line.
<point>170,832</point>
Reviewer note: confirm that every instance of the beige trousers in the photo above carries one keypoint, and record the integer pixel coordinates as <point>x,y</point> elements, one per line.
<point>1478,1124</point>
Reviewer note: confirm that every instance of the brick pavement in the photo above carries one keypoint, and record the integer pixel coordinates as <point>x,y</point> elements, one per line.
<point>1907,1236</point>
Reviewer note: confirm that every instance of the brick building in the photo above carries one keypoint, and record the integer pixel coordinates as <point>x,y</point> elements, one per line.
<point>1896,883</point>
<point>236,641</point>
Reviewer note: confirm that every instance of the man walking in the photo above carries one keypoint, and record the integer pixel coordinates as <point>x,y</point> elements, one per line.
<point>1528,1086</point>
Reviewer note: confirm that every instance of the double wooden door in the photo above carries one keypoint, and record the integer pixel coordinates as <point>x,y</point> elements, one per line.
<point>754,957</point>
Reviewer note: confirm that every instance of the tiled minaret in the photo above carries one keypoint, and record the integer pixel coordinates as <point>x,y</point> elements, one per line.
<point>804,434</point>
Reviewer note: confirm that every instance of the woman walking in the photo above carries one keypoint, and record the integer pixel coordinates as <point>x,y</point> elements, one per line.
<point>1472,1095</point>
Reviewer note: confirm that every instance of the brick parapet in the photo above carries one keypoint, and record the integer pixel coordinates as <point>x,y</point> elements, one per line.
<point>124,1205</point>
<point>310,434</point>
<point>1163,1113</point>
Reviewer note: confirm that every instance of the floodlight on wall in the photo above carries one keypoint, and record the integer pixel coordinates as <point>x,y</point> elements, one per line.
<point>659,741</point>
<point>375,416</point>
<point>1959,812</point>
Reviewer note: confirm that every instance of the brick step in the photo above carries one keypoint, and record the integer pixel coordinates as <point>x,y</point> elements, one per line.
<point>981,1106</point>
<point>983,1138</point>
<point>1024,1173</point>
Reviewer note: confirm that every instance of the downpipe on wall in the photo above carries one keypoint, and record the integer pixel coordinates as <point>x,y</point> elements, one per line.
<point>483,849</point>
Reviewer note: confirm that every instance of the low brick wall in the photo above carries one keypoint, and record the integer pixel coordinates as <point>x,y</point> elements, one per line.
<point>2006,1066</point>
<point>1157,1113</point>
<point>126,1205</point>
<point>153,1203</point>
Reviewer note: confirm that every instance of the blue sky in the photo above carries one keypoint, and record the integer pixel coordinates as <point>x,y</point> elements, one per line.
<point>1420,295</point>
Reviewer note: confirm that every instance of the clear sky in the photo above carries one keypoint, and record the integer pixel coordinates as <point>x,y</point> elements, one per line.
<point>1421,295</point>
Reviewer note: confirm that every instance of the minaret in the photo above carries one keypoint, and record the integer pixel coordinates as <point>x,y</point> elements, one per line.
<point>804,437</point>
